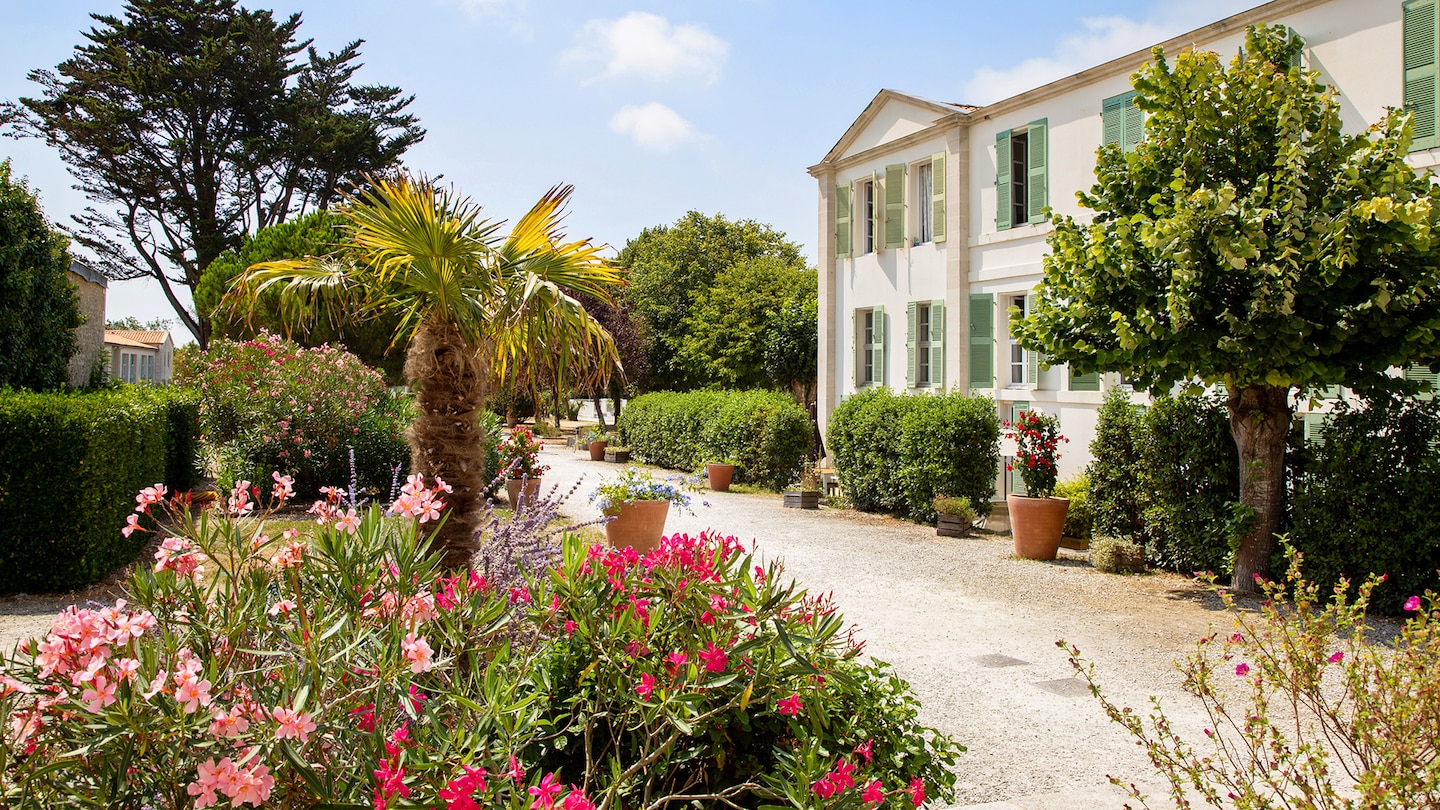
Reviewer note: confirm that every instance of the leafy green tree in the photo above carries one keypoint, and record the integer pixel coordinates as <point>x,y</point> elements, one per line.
<point>39,307</point>
<point>134,324</point>
<point>792,343</point>
<point>725,332</point>
<point>190,122</point>
<point>318,233</point>
<point>671,264</point>
<point>1249,242</point>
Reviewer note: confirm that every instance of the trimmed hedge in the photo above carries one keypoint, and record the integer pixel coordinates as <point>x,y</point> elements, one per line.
<point>764,432</point>
<point>895,453</point>
<point>73,463</point>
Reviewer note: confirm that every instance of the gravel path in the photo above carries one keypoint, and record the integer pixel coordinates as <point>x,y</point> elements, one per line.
<point>971,627</point>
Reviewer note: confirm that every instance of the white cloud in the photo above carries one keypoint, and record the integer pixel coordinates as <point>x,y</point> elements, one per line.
<point>654,125</point>
<point>1102,39</point>
<point>510,11</point>
<point>648,46</point>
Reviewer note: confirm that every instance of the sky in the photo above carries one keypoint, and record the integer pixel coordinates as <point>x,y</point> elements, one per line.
<point>650,109</point>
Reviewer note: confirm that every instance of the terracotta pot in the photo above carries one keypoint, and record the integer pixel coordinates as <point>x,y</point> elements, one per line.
<point>720,475</point>
<point>638,524</point>
<point>512,489</point>
<point>1037,524</point>
<point>597,451</point>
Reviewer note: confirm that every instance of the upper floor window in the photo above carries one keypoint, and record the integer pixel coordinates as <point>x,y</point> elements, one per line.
<point>1422,70</point>
<point>867,216</point>
<point>1021,175</point>
<point>1124,122</point>
<point>925,217</point>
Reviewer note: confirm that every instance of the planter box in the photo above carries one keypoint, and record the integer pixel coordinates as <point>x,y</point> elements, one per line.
<point>617,456</point>
<point>802,499</point>
<point>952,526</point>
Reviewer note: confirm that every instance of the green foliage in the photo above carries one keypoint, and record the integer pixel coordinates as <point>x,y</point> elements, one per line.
<point>1116,466</point>
<point>319,234</point>
<point>134,324</point>
<point>1080,517</point>
<point>726,330</point>
<point>1116,555</point>
<point>269,405</point>
<point>792,344</point>
<point>1037,449</point>
<point>1368,501</point>
<point>767,434</point>
<point>895,453</point>
<point>1189,480</point>
<point>39,308</point>
<point>958,506</point>
<point>1346,712</point>
<point>201,119</point>
<point>671,265</point>
<point>73,463</point>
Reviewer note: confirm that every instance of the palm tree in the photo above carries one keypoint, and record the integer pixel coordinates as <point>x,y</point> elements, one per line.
<point>467,297</point>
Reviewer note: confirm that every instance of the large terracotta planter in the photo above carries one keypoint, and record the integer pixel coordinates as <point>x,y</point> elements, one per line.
<point>719,476</point>
<point>638,524</point>
<point>1037,524</point>
<point>597,451</point>
<point>513,487</point>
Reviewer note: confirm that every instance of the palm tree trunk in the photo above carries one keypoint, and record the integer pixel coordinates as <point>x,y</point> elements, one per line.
<point>446,441</point>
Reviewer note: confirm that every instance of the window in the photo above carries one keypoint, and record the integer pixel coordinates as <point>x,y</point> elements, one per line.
<point>923,186</point>
<point>1019,358</point>
<point>869,347</point>
<point>982,340</point>
<point>844,232</point>
<point>867,212</point>
<point>925,344</point>
<point>1021,176</point>
<point>1124,122</point>
<point>1422,73</point>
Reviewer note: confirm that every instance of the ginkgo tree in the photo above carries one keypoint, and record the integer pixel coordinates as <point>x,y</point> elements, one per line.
<point>1247,242</point>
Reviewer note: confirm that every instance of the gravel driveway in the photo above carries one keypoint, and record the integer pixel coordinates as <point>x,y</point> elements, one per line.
<point>971,627</point>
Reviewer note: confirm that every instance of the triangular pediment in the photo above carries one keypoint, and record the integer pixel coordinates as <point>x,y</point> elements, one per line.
<point>889,116</point>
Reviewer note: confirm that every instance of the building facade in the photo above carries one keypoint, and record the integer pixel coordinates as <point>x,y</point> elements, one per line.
<point>138,356</point>
<point>90,287</point>
<point>931,221</point>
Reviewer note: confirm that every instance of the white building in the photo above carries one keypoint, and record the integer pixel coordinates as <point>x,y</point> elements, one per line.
<point>140,355</point>
<point>930,213</point>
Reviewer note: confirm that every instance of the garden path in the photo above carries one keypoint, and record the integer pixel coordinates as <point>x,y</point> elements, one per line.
<point>974,629</point>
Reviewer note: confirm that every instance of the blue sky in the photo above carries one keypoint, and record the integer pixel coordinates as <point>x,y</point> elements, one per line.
<point>650,109</point>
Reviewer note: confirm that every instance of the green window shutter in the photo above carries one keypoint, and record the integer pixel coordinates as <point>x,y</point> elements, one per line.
<point>1112,113</point>
<point>1037,192</point>
<point>911,339</point>
<point>982,341</point>
<point>843,230</point>
<point>1017,481</point>
<point>1134,123</point>
<point>1002,181</point>
<point>937,197</point>
<point>895,206</point>
<point>1298,60</point>
<point>1032,359</point>
<point>877,210</point>
<point>937,344</point>
<point>1316,424</point>
<point>1420,373</point>
<point>1085,382</point>
<point>877,354</point>
<point>1422,73</point>
<point>858,316</point>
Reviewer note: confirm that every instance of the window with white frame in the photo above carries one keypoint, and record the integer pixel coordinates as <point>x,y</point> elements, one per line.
<point>867,215</point>
<point>869,347</point>
<point>925,218</point>
<point>1023,369</point>
<point>922,345</point>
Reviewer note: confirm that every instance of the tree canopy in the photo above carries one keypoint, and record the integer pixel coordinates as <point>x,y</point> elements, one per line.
<point>1247,241</point>
<point>730,321</point>
<point>671,264</point>
<point>39,307</point>
<point>191,122</point>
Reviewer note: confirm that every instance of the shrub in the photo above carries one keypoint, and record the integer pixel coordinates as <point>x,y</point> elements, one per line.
<point>950,505</point>
<point>39,308</point>
<point>765,431</point>
<point>1369,500</point>
<point>1304,709</point>
<point>270,404</point>
<point>72,465</point>
<point>895,453</point>
<point>1080,518</point>
<point>1190,480</point>
<point>1116,466</point>
<point>1116,555</point>
<point>351,671</point>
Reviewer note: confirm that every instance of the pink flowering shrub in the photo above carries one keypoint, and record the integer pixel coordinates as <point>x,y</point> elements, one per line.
<point>271,404</point>
<point>248,667</point>
<point>1310,706</point>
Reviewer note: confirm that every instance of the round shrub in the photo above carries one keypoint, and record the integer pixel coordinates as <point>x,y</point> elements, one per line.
<point>1116,555</point>
<point>865,444</point>
<point>1079,518</point>
<point>1116,465</point>
<point>1190,482</point>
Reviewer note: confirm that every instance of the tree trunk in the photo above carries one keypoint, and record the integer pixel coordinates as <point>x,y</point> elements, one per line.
<point>446,439</point>
<point>1260,419</point>
<point>600,410</point>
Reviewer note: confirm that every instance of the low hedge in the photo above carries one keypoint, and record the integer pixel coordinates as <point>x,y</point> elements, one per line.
<point>895,453</point>
<point>766,433</point>
<point>73,463</point>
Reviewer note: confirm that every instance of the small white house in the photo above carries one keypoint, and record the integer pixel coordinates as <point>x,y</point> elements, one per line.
<point>139,355</point>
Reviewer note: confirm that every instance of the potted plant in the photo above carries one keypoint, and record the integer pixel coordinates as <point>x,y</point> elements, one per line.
<point>595,440</point>
<point>636,505</point>
<point>1037,520</point>
<point>955,515</point>
<point>807,494</point>
<point>719,473</point>
<point>617,453</point>
<point>520,459</point>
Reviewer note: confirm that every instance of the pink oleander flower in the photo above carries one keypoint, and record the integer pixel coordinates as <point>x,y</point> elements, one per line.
<point>676,661</point>
<point>417,699</point>
<point>647,685</point>
<point>229,723</point>
<point>570,626</point>
<point>873,793</point>
<point>790,705</point>
<point>132,525</point>
<point>191,693</point>
<point>458,793</point>
<point>516,772</point>
<point>1241,670</point>
<point>545,792</point>
<point>364,717</point>
<point>1413,603</point>
<point>917,791</point>
<point>292,725</point>
<point>715,658</point>
<point>348,521</point>
<point>101,693</point>
<point>391,781</point>
<point>150,496</point>
<point>210,776</point>
<point>418,651</point>
<point>283,606</point>
<point>843,775</point>
<point>239,502</point>
<point>1337,658</point>
<point>577,800</point>
<point>429,508</point>
<point>865,750</point>
<point>284,487</point>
